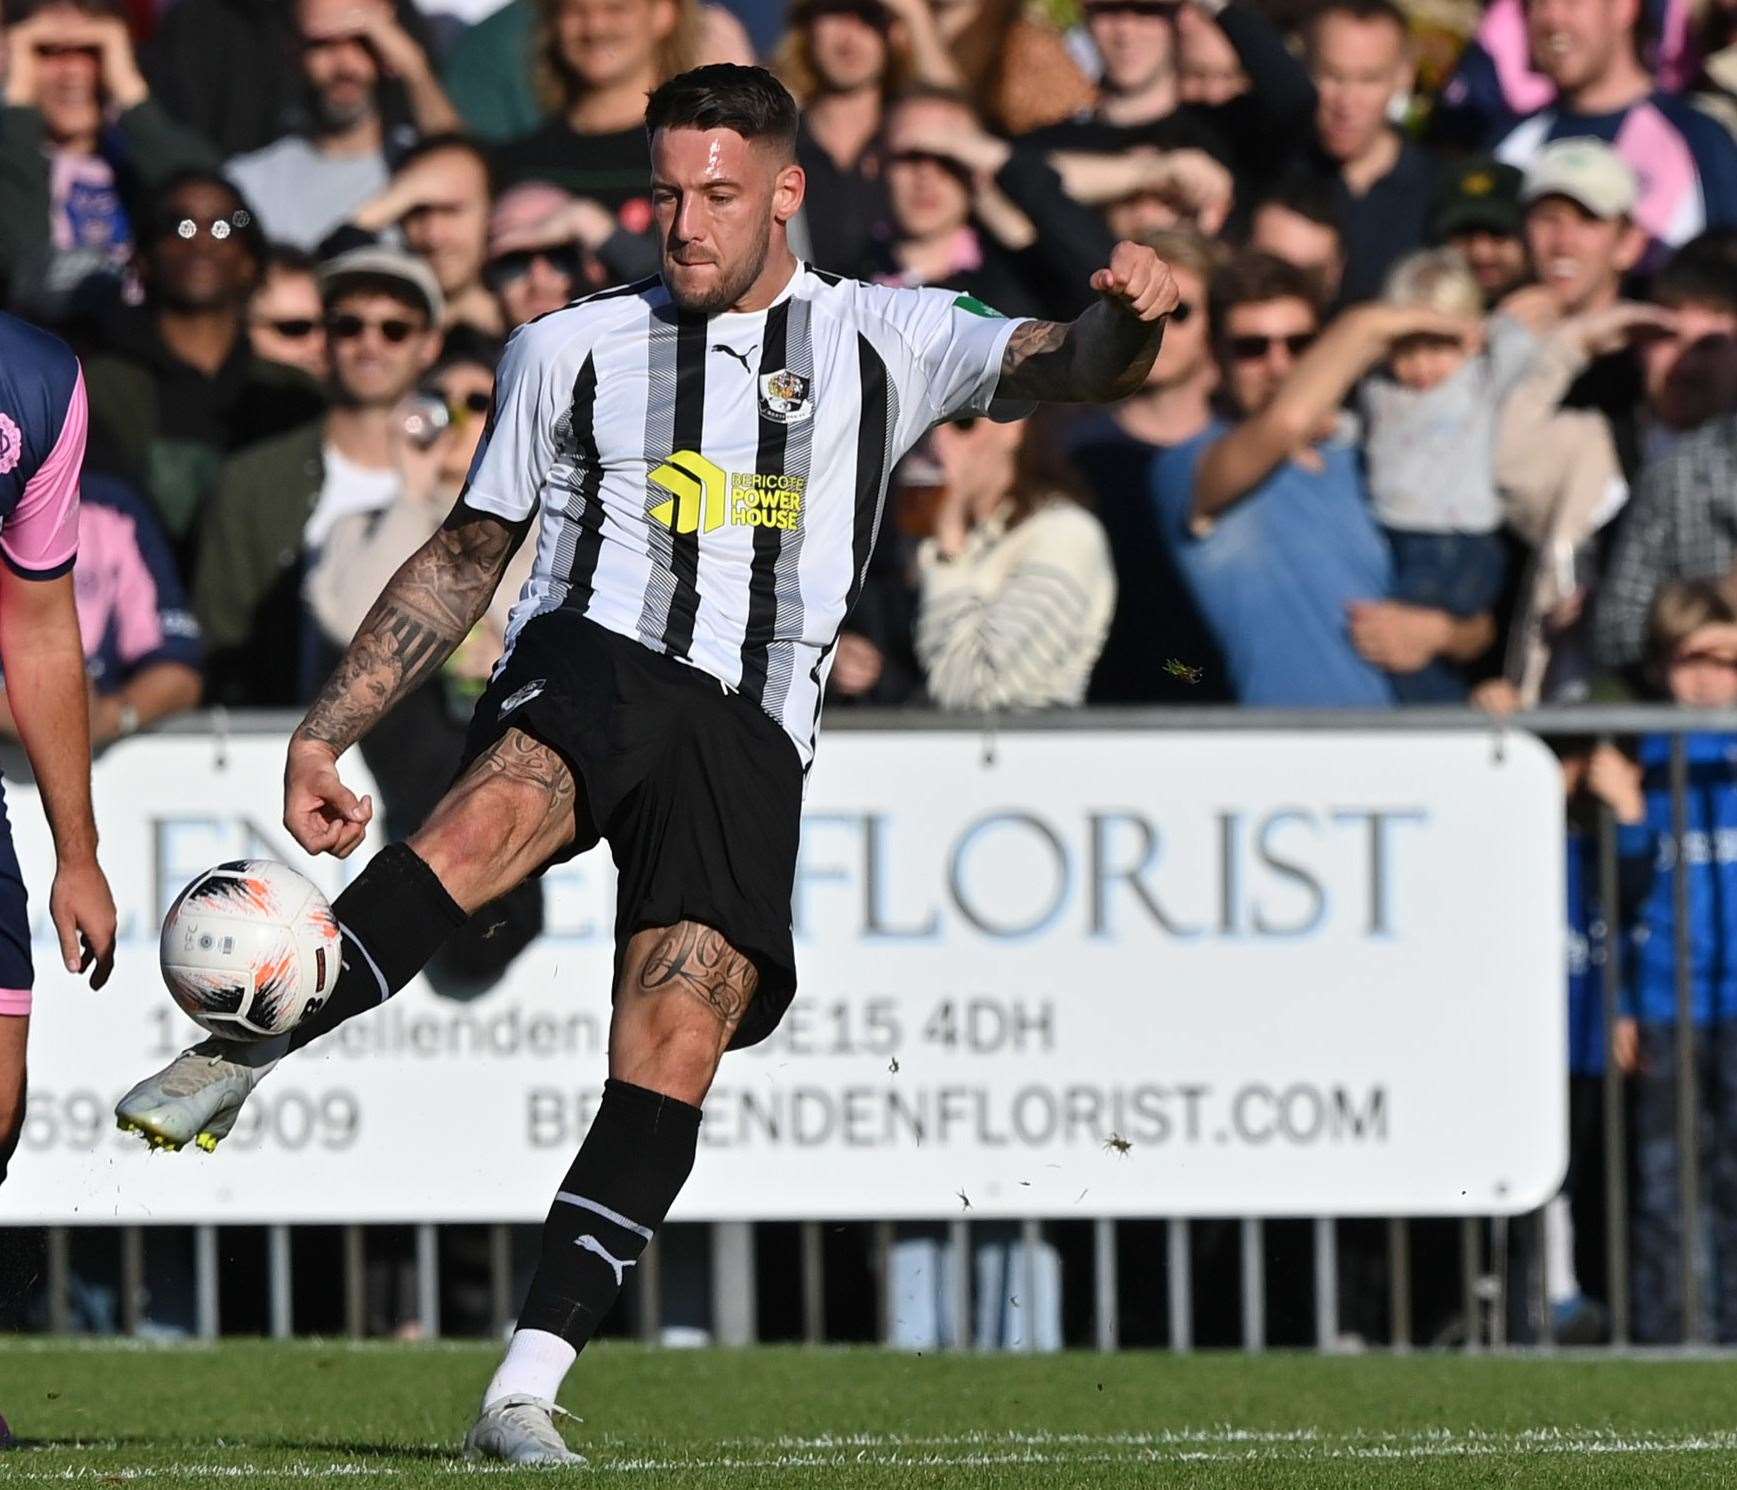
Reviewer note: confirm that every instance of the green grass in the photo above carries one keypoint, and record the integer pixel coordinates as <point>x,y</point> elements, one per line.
<point>246,1414</point>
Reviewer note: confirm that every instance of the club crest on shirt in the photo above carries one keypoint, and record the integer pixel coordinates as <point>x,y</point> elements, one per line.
<point>784,397</point>
<point>11,444</point>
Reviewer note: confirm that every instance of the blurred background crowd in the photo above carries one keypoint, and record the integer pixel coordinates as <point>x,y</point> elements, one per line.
<point>1443,407</point>
<point>1445,415</point>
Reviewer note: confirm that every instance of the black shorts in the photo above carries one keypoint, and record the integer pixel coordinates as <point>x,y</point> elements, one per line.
<point>696,790</point>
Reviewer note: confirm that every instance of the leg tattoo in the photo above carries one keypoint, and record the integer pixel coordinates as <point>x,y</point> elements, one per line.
<point>697,960</point>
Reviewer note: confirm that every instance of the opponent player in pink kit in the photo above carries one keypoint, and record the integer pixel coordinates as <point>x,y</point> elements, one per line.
<point>42,432</point>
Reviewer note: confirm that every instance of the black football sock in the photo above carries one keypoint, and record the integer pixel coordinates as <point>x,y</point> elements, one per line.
<point>394,917</point>
<point>631,1167</point>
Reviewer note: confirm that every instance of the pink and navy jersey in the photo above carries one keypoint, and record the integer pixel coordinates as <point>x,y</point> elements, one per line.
<point>132,610</point>
<point>42,434</point>
<point>1686,161</point>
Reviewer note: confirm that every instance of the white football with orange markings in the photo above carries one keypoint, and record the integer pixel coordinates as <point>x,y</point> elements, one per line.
<point>250,949</point>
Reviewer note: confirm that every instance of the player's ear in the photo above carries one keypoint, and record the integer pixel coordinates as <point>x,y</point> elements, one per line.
<point>788,190</point>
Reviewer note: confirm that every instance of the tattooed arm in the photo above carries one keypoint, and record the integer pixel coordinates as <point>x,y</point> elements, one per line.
<point>1107,352</point>
<point>427,608</point>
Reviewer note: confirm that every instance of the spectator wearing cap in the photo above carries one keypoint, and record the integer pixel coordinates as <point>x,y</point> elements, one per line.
<point>285,316</point>
<point>842,64</point>
<point>1159,649</point>
<point>1477,211</point>
<point>1140,104</point>
<point>965,209</point>
<point>276,504</point>
<point>438,202</point>
<point>1300,224</point>
<point>178,388</point>
<point>1686,162</point>
<point>1579,197</point>
<point>309,181</point>
<point>1361,59</point>
<point>82,146</point>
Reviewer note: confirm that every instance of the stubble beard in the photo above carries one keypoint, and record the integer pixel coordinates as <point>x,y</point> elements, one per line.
<point>730,287</point>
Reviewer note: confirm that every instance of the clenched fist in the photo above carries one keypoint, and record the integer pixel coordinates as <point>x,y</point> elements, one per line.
<point>1138,283</point>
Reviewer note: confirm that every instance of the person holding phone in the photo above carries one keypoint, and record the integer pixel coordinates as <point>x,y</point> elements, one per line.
<point>277,504</point>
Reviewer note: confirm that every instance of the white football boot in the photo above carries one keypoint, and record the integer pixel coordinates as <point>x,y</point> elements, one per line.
<point>521,1430</point>
<point>198,1095</point>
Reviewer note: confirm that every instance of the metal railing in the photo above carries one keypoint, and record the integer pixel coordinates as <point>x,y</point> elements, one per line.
<point>1486,1247</point>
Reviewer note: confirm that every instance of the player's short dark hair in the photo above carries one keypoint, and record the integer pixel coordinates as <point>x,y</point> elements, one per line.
<point>1702,272</point>
<point>724,95</point>
<point>1360,10</point>
<point>1254,278</point>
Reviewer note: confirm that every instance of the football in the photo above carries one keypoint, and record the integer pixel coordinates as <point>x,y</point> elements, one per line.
<point>250,949</point>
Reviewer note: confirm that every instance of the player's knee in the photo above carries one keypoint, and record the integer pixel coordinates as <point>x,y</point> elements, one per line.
<point>494,827</point>
<point>668,1043</point>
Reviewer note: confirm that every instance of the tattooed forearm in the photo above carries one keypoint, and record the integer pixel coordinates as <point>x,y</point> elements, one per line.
<point>425,611</point>
<point>1103,356</point>
<point>697,960</point>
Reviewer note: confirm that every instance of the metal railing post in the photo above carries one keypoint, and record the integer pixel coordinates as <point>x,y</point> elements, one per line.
<point>355,1282</point>
<point>1399,1283</point>
<point>1326,1284</point>
<point>1180,1279</point>
<point>1254,1284</point>
<point>734,1306</point>
<point>956,1271</point>
<point>280,1282</point>
<point>206,1323</point>
<point>1688,1103</point>
<point>428,1280</point>
<point>59,1280</point>
<point>1106,1312</point>
<point>132,1278</point>
<point>1471,1265</point>
<point>1614,1116</point>
<point>812,1241</point>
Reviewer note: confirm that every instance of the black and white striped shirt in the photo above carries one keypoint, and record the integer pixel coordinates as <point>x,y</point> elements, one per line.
<point>712,486</point>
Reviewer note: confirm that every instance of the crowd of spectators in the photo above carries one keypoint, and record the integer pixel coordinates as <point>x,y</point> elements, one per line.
<point>1445,403</point>
<point>1447,413</point>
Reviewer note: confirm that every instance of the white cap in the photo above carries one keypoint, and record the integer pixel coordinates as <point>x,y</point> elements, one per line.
<point>1587,172</point>
<point>381,261</point>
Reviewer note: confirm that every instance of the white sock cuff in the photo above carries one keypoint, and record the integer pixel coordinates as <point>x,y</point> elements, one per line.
<point>535,1364</point>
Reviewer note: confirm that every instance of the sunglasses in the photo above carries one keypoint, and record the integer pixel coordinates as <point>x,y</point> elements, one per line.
<point>349,327</point>
<point>187,228</point>
<point>1253,348</point>
<point>501,271</point>
<point>296,328</point>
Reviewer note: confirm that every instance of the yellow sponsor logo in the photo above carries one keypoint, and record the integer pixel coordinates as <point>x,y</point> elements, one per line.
<point>704,496</point>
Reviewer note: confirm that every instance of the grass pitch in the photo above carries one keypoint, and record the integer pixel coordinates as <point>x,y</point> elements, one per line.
<point>244,1414</point>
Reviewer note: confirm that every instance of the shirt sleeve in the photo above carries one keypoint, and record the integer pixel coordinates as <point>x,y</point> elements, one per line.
<point>958,343</point>
<point>39,538</point>
<point>518,446</point>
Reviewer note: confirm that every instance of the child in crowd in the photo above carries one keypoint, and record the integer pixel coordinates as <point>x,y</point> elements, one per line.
<point>1430,418</point>
<point>1692,648</point>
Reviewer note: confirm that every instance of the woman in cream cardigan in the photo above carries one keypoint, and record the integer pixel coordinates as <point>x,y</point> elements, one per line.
<point>1016,584</point>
